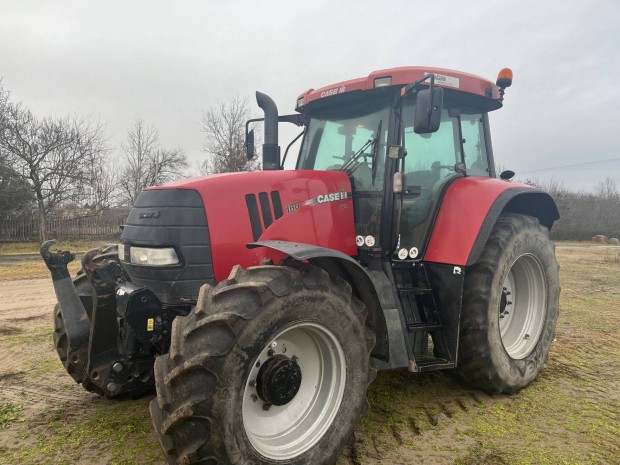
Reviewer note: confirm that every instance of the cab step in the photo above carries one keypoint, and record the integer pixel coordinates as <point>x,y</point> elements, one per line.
<point>424,327</point>
<point>429,363</point>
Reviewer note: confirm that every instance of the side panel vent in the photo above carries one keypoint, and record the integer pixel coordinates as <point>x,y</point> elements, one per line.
<point>257,230</point>
<point>277,204</point>
<point>265,208</point>
<point>265,211</point>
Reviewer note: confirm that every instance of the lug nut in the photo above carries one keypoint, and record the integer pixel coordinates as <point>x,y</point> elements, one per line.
<point>111,387</point>
<point>270,353</point>
<point>254,397</point>
<point>257,363</point>
<point>252,383</point>
<point>266,406</point>
<point>295,358</point>
<point>274,344</point>
<point>117,367</point>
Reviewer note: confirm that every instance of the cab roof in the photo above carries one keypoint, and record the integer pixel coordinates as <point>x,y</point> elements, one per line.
<point>448,78</point>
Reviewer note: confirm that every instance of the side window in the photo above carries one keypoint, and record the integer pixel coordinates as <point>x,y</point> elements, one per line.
<point>430,156</point>
<point>473,144</point>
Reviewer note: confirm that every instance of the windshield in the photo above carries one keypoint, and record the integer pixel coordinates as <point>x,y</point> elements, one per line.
<point>350,139</point>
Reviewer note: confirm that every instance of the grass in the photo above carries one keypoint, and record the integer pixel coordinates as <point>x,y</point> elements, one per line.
<point>111,432</point>
<point>10,413</point>
<point>35,268</point>
<point>13,248</point>
<point>31,269</point>
<point>569,415</point>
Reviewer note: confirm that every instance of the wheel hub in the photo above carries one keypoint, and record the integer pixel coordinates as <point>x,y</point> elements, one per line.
<point>278,380</point>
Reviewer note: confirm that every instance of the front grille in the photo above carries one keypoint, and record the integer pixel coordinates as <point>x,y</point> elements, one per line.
<point>171,218</point>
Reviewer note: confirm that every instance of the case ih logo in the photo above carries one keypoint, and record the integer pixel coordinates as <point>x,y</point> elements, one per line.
<point>154,214</point>
<point>334,91</point>
<point>331,197</point>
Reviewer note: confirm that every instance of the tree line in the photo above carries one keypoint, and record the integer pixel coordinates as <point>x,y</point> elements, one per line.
<point>53,163</point>
<point>584,214</point>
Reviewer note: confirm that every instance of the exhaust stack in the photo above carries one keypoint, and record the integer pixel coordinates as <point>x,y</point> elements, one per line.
<point>271,149</point>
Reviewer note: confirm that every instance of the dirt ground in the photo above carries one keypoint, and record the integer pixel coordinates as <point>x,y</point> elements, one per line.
<point>570,415</point>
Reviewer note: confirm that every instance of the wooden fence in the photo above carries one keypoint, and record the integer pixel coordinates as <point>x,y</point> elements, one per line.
<point>26,227</point>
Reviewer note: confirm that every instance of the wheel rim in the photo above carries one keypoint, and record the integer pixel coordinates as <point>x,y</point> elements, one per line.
<point>522,309</point>
<point>286,431</point>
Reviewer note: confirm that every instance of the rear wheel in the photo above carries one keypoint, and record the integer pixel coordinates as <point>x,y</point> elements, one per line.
<point>510,307</point>
<point>271,366</point>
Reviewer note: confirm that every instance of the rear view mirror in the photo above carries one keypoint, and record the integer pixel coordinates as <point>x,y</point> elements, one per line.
<point>249,144</point>
<point>429,103</point>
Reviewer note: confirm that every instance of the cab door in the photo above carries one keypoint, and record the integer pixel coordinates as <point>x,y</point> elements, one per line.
<point>430,165</point>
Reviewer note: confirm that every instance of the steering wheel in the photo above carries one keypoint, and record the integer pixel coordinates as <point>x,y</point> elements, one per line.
<point>437,165</point>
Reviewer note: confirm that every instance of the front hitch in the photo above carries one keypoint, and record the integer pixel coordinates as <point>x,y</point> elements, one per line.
<point>77,324</point>
<point>111,345</point>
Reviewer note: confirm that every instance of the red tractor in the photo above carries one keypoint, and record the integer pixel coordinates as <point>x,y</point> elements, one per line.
<point>268,300</point>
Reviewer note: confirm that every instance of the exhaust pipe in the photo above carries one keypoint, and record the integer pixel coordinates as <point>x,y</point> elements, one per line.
<point>271,149</point>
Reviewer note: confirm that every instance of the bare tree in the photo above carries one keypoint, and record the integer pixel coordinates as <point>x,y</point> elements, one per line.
<point>146,163</point>
<point>224,126</point>
<point>606,189</point>
<point>4,98</point>
<point>50,154</point>
<point>103,187</point>
<point>15,192</point>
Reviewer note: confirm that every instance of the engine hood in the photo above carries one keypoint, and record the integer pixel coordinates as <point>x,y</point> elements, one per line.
<point>311,207</point>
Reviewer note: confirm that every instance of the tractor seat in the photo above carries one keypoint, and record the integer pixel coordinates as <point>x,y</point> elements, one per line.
<point>416,211</point>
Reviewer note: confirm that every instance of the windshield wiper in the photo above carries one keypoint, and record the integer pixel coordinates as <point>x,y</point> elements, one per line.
<point>357,154</point>
<point>375,153</point>
<point>348,166</point>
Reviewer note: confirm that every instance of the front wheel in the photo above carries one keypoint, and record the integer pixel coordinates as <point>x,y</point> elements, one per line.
<point>510,307</point>
<point>271,366</point>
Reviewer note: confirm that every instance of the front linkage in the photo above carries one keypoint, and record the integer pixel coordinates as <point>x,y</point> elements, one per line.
<point>108,331</point>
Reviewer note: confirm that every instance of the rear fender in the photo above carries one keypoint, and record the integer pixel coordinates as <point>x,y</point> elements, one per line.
<point>470,209</point>
<point>340,264</point>
<point>530,202</point>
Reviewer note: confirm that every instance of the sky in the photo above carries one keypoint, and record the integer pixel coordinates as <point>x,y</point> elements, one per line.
<point>167,62</point>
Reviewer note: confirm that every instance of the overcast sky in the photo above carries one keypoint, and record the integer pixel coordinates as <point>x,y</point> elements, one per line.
<point>166,62</point>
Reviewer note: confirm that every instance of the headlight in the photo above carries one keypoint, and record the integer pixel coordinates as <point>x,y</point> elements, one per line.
<point>155,257</point>
<point>121,252</point>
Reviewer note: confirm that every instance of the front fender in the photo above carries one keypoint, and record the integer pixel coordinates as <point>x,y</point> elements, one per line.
<point>336,262</point>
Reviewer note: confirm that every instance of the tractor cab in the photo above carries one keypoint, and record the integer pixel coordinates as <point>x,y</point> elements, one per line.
<point>401,136</point>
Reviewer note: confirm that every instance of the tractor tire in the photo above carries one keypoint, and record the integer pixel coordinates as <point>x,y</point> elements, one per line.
<point>510,307</point>
<point>271,367</point>
<point>61,344</point>
<point>85,291</point>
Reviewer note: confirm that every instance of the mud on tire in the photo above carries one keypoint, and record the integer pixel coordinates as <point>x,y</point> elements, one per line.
<point>209,408</point>
<point>510,307</point>
<point>61,344</point>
